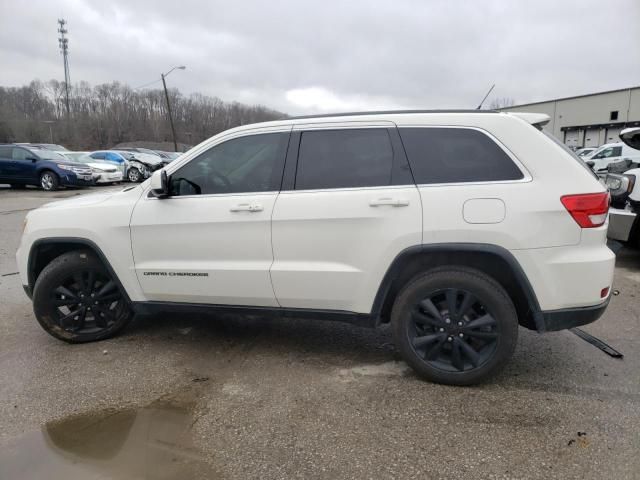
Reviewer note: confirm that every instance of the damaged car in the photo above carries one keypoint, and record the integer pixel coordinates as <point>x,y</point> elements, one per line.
<point>625,196</point>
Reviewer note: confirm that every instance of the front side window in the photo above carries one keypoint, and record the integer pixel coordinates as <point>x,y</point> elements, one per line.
<point>456,155</point>
<point>349,158</point>
<point>606,153</point>
<point>5,152</point>
<point>98,155</point>
<point>241,165</point>
<point>21,154</point>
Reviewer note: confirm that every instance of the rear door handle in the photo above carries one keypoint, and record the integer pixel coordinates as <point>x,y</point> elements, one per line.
<point>393,202</point>
<point>246,207</point>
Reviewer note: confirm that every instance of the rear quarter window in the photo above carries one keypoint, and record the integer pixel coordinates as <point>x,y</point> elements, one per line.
<point>456,155</point>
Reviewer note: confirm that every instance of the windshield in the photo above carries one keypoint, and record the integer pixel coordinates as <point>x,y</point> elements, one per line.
<point>75,156</point>
<point>50,155</point>
<point>83,158</point>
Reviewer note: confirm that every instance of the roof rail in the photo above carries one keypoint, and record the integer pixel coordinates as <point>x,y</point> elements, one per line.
<point>389,112</point>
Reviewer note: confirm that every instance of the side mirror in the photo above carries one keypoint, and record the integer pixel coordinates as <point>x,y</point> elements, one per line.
<point>590,163</point>
<point>33,159</point>
<point>160,184</point>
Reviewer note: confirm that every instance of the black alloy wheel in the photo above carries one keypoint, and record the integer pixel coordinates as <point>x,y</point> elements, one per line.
<point>76,300</point>
<point>455,325</point>
<point>452,330</point>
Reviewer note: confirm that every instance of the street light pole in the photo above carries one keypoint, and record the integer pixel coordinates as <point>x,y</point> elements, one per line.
<point>166,95</point>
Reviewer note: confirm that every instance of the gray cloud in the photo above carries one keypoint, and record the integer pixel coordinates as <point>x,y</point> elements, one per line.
<point>302,56</point>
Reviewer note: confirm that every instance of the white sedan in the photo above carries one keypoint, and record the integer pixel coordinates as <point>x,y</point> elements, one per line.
<point>103,172</point>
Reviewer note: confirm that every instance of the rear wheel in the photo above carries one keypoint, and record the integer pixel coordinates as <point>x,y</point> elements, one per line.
<point>455,325</point>
<point>75,299</point>
<point>49,181</point>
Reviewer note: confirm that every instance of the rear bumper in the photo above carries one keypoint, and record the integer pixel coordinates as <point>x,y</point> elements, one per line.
<point>554,320</point>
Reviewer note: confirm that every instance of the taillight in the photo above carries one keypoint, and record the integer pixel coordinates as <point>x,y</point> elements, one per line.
<point>587,209</point>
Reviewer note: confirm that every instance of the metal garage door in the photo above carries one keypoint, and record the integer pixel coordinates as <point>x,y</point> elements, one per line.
<point>571,138</point>
<point>591,137</point>
<point>612,135</point>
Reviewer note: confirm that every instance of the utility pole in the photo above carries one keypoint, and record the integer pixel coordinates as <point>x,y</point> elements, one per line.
<point>173,129</point>
<point>63,43</point>
<point>166,95</point>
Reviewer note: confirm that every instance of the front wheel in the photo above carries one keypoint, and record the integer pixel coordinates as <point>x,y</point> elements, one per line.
<point>75,299</point>
<point>49,181</point>
<point>134,175</point>
<point>455,326</point>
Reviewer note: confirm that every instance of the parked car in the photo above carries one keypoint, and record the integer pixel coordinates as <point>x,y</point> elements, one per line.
<point>137,149</point>
<point>164,156</point>
<point>135,166</point>
<point>624,225</point>
<point>585,151</point>
<point>20,166</point>
<point>103,171</point>
<point>609,154</point>
<point>168,157</point>
<point>455,227</point>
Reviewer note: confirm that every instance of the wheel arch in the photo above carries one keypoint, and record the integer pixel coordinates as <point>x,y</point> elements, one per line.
<point>493,260</point>
<point>43,251</point>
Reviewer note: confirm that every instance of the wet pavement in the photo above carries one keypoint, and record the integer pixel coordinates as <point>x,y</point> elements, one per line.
<point>224,397</point>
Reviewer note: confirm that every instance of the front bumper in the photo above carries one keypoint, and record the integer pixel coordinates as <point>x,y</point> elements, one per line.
<point>621,222</point>
<point>554,320</point>
<point>79,180</point>
<point>108,177</point>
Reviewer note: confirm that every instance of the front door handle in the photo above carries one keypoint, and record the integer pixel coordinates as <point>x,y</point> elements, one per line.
<point>393,202</point>
<point>246,207</point>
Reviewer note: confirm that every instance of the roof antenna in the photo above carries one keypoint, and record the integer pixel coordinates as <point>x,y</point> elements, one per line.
<point>485,97</point>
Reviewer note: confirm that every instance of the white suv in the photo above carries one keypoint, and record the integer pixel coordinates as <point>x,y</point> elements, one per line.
<point>453,226</point>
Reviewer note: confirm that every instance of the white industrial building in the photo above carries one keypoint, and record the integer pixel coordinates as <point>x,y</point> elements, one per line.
<point>589,120</point>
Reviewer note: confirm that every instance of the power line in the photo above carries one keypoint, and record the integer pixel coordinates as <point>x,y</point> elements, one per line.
<point>147,84</point>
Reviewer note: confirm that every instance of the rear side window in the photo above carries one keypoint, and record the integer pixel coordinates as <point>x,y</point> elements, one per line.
<point>344,159</point>
<point>454,155</point>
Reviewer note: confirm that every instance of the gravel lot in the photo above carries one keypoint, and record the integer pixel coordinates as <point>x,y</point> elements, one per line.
<point>196,397</point>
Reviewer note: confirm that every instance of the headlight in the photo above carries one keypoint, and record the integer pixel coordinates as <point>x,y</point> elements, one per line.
<point>74,169</point>
<point>614,183</point>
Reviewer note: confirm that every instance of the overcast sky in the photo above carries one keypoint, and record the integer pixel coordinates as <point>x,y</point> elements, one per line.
<point>303,56</point>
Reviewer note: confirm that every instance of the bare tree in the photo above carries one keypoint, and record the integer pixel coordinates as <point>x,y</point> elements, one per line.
<point>501,102</point>
<point>113,113</point>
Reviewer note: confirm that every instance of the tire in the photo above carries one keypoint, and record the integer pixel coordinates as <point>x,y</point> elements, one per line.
<point>49,181</point>
<point>134,175</point>
<point>465,347</point>
<point>76,300</point>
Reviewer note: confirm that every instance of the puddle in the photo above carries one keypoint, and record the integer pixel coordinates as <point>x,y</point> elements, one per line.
<point>149,443</point>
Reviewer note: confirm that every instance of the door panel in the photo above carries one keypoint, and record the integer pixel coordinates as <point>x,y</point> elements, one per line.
<point>205,249</point>
<point>20,168</point>
<point>332,248</point>
<point>210,242</point>
<point>352,208</point>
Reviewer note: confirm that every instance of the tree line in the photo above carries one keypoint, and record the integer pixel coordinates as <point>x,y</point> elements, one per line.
<point>112,113</point>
